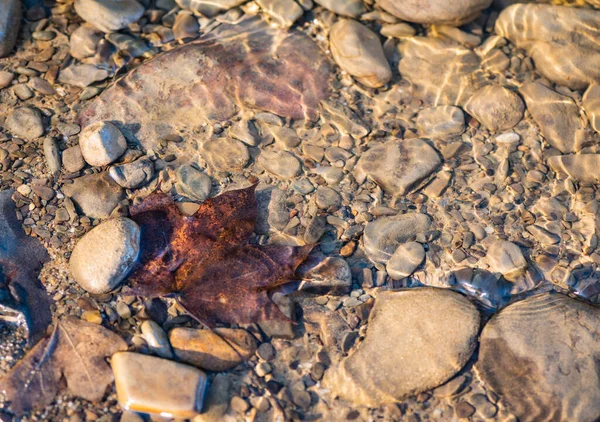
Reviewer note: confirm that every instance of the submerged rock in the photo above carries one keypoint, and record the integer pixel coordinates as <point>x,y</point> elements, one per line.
<point>561,40</point>
<point>398,166</point>
<point>416,340</point>
<point>383,236</point>
<point>158,386</point>
<point>358,51</point>
<point>455,13</point>
<point>25,122</point>
<point>540,355</point>
<point>104,256</point>
<point>591,105</point>
<point>581,167</point>
<point>441,72</point>
<point>350,8</point>
<point>443,122</point>
<point>283,72</point>
<point>557,116</point>
<point>109,15</point>
<point>496,107</point>
<point>209,8</point>
<point>96,194</point>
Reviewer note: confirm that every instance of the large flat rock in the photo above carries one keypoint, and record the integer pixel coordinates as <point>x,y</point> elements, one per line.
<point>248,65</point>
<point>416,340</point>
<point>542,357</point>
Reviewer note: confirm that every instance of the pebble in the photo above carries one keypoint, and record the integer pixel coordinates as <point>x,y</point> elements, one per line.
<point>97,195</point>
<point>553,40</point>
<point>506,258</point>
<point>209,8</point>
<point>156,339</point>
<point>10,20</point>
<point>25,122</point>
<point>455,13</point>
<point>213,350</point>
<point>82,75</point>
<point>23,92</point>
<point>156,386</point>
<point>186,26</point>
<point>103,257</point>
<point>443,122</point>
<point>441,71</point>
<point>325,275</point>
<point>358,51</point>
<point>405,260</point>
<point>398,30</point>
<point>281,163</point>
<point>72,159</point>
<point>496,107</point>
<point>284,12</point>
<point>327,198</point>
<point>527,351</point>
<point>5,78</point>
<point>556,115</point>
<point>101,143</point>
<point>109,15</point>
<point>84,41</point>
<point>225,154</point>
<point>350,8</point>
<point>52,155</point>
<point>437,325</point>
<point>42,86</point>
<point>383,236</point>
<point>398,166</point>
<point>133,175</point>
<point>266,352</point>
<point>193,183</point>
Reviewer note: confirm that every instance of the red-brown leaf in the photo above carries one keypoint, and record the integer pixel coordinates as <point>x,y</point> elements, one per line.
<point>206,261</point>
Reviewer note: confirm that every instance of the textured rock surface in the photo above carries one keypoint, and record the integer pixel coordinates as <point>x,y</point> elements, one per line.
<point>541,356</point>
<point>133,175</point>
<point>561,40</point>
<point>10,21</point>
<point>497,108</point>
<point>221,76</point>
<point>443,122</point>
<point>97,194</point>
<point>441,72</point>
<point>398,166</point>
<point>109,15</point>
<point>454,13</point>
<point>557,116</point>
<point>148,384</point>
<point>217,350</point>
<point>104,256</point>
<point>439,326</point>
<point>358,51</point>
<point>383,236</point>
<point>581,167</point>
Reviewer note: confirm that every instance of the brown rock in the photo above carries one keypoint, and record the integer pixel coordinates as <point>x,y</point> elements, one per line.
<point>218,350</point>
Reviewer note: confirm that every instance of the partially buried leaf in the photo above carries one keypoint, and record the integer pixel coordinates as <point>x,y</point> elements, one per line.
<point>76,350</point>
<point>23,299</point>
<point>205,259</point>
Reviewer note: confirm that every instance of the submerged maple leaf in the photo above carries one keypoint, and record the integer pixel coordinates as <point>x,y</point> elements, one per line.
<point>205,259</point>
